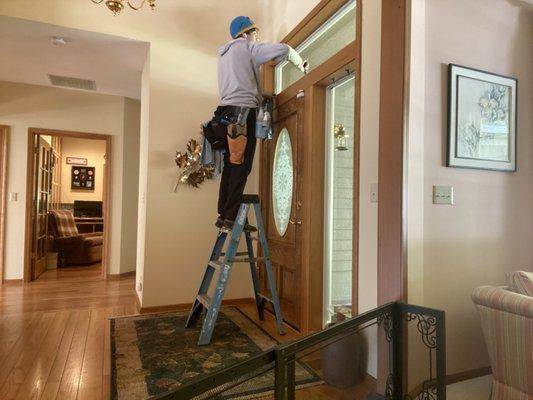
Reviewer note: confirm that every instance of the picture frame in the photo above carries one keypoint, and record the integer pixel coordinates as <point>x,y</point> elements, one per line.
<point>482,120</point>
<point>82,178</point>
<point>76,160</point>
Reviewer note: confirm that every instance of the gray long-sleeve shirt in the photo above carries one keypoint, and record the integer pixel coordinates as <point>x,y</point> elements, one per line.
<point>238,70</point>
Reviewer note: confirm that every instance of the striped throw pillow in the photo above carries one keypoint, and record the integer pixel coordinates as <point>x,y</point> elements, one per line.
<point>521,282</point>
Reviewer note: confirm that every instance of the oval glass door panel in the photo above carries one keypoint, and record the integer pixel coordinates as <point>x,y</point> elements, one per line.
<point>282,181</point>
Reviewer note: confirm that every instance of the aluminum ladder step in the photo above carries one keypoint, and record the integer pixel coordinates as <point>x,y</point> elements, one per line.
<point>216,264</point>
<point>204,299</point>
<point>266,298</point>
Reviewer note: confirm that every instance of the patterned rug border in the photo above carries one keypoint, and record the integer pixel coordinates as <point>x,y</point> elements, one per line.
<point>245,395</point>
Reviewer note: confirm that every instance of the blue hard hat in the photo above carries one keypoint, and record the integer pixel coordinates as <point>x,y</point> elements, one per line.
<point>240,25</point>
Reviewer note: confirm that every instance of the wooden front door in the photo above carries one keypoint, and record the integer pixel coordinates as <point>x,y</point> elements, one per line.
<point>42,191</point>
<point>281,157</point>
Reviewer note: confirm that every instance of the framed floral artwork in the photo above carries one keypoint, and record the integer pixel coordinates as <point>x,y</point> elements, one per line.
<point>482,115</point>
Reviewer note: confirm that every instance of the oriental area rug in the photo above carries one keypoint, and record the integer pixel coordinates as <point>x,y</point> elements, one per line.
<point>152,354</point>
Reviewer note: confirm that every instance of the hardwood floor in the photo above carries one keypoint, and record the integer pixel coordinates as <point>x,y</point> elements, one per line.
<point>319,392</point>
<point>54,336</point>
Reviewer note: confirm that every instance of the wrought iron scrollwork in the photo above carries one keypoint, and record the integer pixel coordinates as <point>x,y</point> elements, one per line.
<point>427,326</point>
<point>385,320</point>
<point>389,388</point>
<point>428,392</point>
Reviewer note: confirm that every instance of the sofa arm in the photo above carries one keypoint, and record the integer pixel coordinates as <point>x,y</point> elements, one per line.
<point>92,234</point>
<point>69,240</point>
<point>500,298</point>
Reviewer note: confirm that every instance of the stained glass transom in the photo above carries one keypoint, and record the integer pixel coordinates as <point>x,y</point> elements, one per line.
<point>282,182</point>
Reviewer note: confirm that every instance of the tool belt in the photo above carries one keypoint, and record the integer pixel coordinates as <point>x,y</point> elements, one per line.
<point>227,129</point>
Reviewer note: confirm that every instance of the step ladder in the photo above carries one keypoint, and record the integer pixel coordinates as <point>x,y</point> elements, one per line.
<point>230,256</point>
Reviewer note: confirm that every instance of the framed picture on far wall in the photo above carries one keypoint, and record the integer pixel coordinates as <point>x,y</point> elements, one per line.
<point>76,160</point>
<point>82,178</point>
<point>481,119</point>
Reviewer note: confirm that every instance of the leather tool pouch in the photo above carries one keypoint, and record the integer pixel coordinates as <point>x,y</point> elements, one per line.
<point>237,143</point>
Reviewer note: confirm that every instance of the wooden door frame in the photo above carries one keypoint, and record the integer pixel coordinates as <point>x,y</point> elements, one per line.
<point>392,171</point>
<point>4,141</point>
<point>346,61</point>
<point>106,196</point>
<point>392,180</point>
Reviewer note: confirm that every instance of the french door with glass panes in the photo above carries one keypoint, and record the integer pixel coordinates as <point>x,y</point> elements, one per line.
<point>42,190</point>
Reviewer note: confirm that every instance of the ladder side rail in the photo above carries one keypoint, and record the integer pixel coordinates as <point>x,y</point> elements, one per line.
<point>197,306</point>
<point>214,307</point>
<point>255,277</point>
<point>268,268</point>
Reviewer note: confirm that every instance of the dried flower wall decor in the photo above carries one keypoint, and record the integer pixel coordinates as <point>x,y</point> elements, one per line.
<point>191,170</point>
<point>482,115</point>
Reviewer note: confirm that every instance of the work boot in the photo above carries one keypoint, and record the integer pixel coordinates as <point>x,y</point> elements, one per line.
<point>220,222</point>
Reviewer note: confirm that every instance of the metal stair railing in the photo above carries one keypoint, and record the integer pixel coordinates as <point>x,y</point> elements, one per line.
<point>392,319</point>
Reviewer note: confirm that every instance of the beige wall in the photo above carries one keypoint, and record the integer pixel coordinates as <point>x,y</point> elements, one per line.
<point>130,184</point>
<point>368,168</point>
<point>415,177</point>
<point>24,106</point>
<point>279,17</point>
<point>485,233</point>
<point>176,229</point>
<point>94,152</point>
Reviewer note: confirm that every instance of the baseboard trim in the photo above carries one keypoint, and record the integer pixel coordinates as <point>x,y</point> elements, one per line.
<point>114,277</point>
<point>455,378</point>
<point>12,281</point>
<point>137,302</point>
<point>466,375</point>
<point>187,306</point>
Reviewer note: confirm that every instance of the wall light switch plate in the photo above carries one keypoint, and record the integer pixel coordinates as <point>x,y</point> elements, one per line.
<point>442,194</point>
<point>373,192</point>
<point>13,196</point>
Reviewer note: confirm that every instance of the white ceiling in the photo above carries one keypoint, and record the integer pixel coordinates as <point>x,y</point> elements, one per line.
<point>28,56</point>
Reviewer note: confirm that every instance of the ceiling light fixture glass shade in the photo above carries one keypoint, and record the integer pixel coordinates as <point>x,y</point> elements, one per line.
<point>116,6</point>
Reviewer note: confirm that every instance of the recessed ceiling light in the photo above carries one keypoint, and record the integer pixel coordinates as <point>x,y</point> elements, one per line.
<point>59,40</point>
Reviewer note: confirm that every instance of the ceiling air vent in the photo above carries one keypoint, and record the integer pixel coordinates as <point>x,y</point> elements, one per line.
<point>75,83</point>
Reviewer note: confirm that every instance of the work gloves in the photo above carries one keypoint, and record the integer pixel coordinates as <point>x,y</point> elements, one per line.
<point>297,61</point>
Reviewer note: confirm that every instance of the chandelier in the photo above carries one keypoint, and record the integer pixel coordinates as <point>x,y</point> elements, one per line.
<point>117,5</point>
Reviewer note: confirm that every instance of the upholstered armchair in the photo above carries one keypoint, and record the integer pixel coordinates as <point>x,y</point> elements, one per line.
<point>506,315</point>
<point>73,247</point>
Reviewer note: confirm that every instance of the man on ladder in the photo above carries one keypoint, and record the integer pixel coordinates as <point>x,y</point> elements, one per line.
<point>240,96</point>
<point>240,93</point>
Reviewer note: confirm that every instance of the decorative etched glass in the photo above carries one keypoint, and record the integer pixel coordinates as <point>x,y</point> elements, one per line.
<point>282,180</point>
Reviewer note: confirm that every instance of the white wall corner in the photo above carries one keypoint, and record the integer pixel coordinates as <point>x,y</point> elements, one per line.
<point>415,124</point>
<point>143,177</point>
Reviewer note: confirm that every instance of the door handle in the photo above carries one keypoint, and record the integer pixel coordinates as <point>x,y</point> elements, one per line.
<point>295,222</point>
